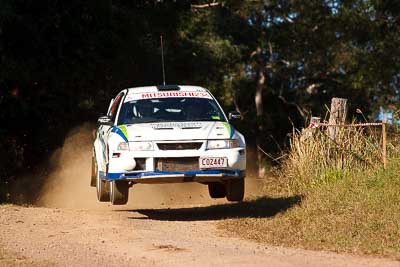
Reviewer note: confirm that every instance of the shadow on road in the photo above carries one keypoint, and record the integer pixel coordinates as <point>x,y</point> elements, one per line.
<point>259,208</point>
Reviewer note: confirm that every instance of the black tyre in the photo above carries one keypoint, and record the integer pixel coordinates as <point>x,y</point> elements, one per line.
<point>119,192</point>
<point>102,187</point>
<point>93,175</point>
<point>216,190</point>
<point>235,189</point>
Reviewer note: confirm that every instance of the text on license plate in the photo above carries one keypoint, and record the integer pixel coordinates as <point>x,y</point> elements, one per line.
<point>219,162</point>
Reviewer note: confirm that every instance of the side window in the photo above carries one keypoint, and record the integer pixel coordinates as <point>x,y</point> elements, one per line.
<point>114,107</point>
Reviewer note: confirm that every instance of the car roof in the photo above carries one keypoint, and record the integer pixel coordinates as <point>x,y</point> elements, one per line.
<point>150,89</point>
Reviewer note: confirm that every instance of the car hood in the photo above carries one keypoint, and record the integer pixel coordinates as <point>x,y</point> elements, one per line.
<point>169,131</point>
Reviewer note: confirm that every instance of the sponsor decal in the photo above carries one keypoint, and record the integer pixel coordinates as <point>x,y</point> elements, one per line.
<point>230,129</point>
<point>121,131</point>
<point>169,125</point>
<point>167,94</point>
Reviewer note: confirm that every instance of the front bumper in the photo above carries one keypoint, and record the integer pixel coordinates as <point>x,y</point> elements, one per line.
<point>175,166</point>
<point>160,177</point>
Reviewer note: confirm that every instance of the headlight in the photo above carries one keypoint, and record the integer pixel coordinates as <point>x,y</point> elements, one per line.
<point>221,144</point>
<point>141,146</point>
<point>123,146</point>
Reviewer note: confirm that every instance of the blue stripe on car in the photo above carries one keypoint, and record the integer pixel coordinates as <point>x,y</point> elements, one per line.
<point>119,132</point>
<point>232,131</point>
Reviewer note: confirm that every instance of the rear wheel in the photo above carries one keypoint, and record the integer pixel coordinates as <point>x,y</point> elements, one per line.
<point>235,189</point>
<point>119,192</point>
<point>93,175</point>
<point>216,190</point>
<point>102,187</point>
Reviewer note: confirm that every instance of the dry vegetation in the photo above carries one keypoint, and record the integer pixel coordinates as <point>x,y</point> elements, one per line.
<point>349,203</point>
<point>315,158</point>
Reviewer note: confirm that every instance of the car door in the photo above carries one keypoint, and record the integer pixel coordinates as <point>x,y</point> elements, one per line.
<point>104,130</point>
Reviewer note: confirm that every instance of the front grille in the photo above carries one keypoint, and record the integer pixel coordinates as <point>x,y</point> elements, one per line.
<point>180,146</point>
<point>140,164</point>
<point>177,164</point>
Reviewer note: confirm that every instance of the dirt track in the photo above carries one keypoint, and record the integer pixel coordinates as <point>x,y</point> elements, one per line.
<point>142,237</point>
<point>167,225</point>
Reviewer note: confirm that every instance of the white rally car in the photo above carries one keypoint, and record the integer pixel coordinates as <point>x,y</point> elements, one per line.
<point>167,134</point>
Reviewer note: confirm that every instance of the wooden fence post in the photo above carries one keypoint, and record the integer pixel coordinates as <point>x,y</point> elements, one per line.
<point>384,152</point>
<point>337,115</point>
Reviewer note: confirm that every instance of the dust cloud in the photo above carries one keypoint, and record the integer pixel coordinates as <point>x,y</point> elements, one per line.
<point>68,184</point>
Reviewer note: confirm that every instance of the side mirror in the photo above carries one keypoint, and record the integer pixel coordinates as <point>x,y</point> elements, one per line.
<point>234,115</point>
<point>105,120</point>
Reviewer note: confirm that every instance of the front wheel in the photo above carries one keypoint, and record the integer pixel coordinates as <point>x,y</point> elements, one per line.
<point>235,189</point>
<point>119,192</point>
<point>102,187</point>
<point>216,190</point>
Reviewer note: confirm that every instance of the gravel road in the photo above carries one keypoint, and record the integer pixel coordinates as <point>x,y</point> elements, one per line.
<point>136,236</point>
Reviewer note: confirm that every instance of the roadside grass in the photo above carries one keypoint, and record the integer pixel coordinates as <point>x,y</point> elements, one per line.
<point>314,158</point>
<point>359,214</point>
<point>343,208</point>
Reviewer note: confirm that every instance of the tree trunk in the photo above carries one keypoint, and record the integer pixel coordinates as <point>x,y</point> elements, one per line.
<point>337,115</point>
<point>260,127</point>
<point>258,97</point>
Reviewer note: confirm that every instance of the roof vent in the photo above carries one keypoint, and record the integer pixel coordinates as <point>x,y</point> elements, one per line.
<point>168,87</point>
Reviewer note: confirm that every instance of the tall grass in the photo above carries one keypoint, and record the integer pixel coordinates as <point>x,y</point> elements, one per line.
<point>359,214</point>
<point>316,158</point>
<point>349,203</point>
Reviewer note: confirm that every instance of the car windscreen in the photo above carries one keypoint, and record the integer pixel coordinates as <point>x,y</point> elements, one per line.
<point>170,109</point>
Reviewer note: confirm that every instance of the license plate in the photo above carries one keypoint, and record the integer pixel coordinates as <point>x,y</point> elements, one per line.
<point>209,163</point>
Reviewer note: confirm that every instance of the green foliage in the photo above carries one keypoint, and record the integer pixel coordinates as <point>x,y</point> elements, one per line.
<point>330,177</point>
